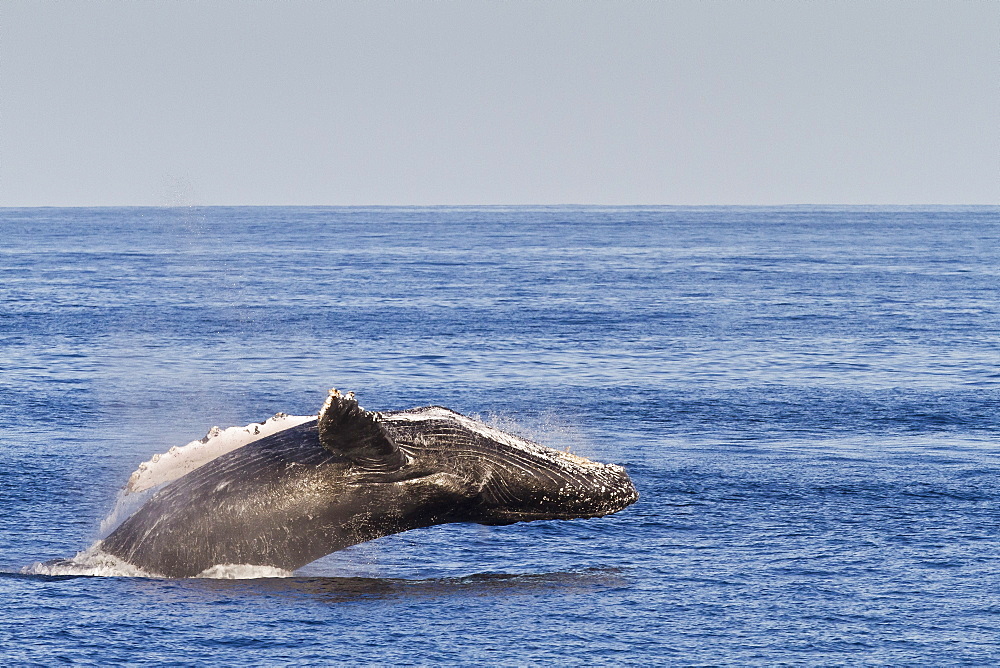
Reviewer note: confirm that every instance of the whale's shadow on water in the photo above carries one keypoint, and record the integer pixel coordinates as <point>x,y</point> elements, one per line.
<point>341,589</point>
<point>346,589</point>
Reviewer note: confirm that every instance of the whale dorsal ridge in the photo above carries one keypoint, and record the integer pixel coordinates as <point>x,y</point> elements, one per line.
<point>345,428</point>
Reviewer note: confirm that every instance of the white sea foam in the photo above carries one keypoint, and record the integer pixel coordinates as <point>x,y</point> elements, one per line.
<point>243,572</point>
<point>95,562</point>
<point>178,461</point>
<point>92,561</point>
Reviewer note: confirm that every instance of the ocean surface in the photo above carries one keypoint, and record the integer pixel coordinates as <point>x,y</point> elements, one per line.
<point>807,398</point>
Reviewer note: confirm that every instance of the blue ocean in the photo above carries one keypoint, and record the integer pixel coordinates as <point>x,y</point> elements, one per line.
<point>807,399</point>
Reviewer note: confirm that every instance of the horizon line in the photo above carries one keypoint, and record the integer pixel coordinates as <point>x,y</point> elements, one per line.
<point>488,206</point>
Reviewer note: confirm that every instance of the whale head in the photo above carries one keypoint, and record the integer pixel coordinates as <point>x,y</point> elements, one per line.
<point>556,485</point>
<point>494,477</point>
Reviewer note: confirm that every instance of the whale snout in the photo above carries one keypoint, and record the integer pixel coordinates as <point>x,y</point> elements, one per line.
<point>624,492</point>
<point>604,491</point>
<point>560,486</point>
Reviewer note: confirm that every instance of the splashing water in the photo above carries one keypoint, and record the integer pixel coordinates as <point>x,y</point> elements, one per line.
<point>92,561</point>
<point>243,572</point>
<point>549,428</point>
<point>95,562</point>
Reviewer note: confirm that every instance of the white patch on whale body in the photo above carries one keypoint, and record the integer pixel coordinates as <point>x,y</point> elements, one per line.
<point>179,461</point>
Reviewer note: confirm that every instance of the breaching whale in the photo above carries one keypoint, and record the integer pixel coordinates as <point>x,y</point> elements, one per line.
<point>353,475</point>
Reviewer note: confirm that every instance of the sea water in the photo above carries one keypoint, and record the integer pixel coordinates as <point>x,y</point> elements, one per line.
<point>807,398</point>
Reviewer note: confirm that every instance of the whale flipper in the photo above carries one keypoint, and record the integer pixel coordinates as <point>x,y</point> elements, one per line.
<point>345,428</point>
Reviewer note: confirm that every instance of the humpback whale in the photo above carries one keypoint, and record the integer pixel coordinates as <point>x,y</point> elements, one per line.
<point>353,475</point>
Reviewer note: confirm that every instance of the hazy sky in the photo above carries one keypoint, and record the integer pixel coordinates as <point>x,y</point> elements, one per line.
<point>549,102</point>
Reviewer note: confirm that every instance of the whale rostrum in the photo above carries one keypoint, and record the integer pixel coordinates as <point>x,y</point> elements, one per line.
<point>353,475</point>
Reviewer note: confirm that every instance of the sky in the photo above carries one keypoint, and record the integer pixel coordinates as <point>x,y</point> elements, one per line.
<point>422,103</point>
